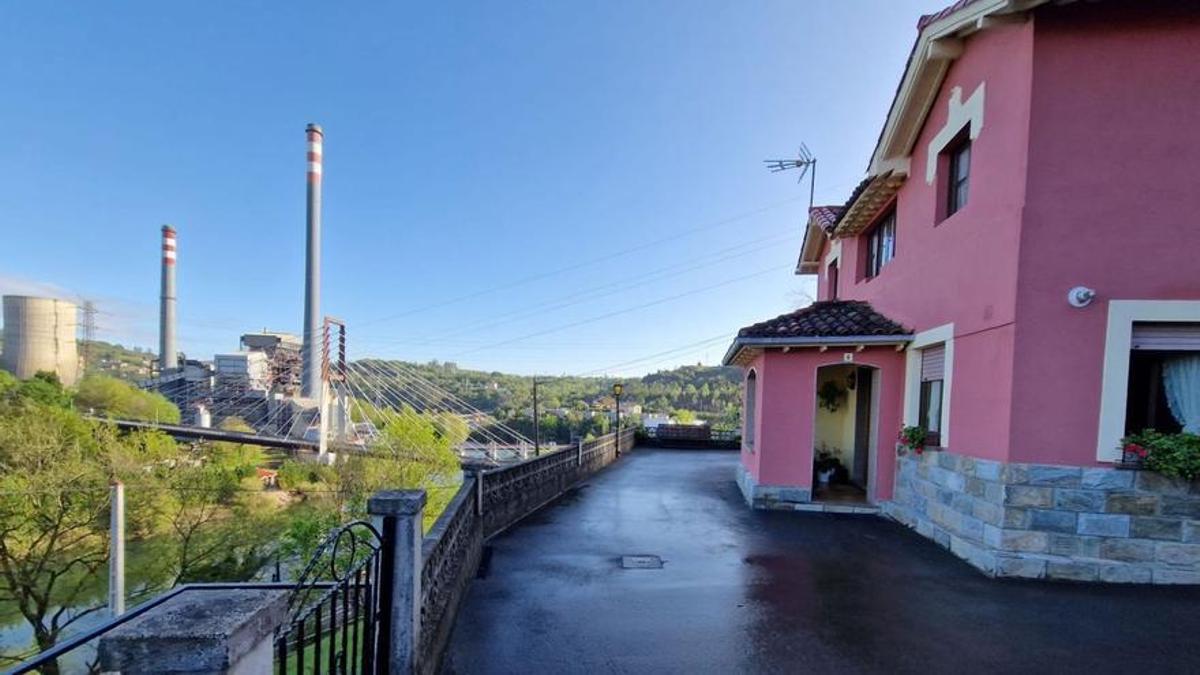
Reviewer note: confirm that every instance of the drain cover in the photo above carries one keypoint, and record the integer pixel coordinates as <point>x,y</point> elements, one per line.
<point>641,562</point>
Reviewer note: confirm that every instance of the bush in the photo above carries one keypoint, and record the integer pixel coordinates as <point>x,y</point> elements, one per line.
<point>111,397</point>
<point>297,475</point>
<point>1175,455</point>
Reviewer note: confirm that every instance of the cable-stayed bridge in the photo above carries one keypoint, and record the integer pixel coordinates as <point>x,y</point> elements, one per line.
<point>359,406</point>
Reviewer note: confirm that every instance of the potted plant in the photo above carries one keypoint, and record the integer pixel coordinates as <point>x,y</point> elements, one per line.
<point>831,395</point>
<point>827,468</point>
<point>912,438</point>
<point>1173,455</point>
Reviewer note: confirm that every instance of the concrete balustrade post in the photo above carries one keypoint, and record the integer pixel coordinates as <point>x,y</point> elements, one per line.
<point>478,474</point>
<point>579,453</point>
<point>398,514</point>
<point>214,631</point>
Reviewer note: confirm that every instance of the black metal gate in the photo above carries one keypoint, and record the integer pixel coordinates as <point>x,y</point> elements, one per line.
<point>339,609</point>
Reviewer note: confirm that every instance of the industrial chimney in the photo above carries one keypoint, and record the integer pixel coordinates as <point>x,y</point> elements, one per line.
<point>167,349</point>
<point>311,380</point>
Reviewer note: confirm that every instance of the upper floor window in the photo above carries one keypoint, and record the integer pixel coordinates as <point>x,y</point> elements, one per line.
<point>881,244</point>
<point>831,281</point>
<point>958,176</point>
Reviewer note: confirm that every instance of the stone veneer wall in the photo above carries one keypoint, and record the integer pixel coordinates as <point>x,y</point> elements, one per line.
<point>770,496</point>
<point>1053,522</point>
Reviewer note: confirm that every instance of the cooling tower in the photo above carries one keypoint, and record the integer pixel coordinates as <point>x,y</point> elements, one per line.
<point>39,334</point>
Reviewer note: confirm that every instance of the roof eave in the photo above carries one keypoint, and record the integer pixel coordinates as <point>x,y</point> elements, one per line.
<point>861,213</point>
<point>810,249</point>
<point>937,46</point>
<point>742,343</point>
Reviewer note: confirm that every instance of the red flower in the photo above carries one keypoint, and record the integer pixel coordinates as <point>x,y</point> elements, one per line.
<point>1135,449</point>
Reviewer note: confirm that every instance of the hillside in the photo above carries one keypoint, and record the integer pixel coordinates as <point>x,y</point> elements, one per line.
<point>131,365</point>
<point>711,392</point>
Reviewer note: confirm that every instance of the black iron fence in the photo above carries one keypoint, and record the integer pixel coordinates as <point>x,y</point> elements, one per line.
<point>77,654</point>
<point>335,607</point>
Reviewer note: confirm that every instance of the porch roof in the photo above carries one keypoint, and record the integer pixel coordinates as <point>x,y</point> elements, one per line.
<point>824,323</point>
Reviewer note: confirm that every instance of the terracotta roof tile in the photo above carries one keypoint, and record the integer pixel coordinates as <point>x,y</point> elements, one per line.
<point>828,318</point>
<point>825,216</point>
<point>941,14</point>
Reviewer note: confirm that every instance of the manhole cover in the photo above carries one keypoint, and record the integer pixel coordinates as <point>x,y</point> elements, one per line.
<point>641,562</point>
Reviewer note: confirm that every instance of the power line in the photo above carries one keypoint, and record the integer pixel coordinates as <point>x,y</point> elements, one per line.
<point>626,310</point>
<point>600,291</point>
<point>585,263</point>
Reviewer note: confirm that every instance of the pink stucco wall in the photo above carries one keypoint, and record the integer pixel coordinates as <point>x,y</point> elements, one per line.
<point>1112,202</point>
<point>750,453</point>
<point>1083,174</point>
<point>784,447</point>
<point>963,269</point>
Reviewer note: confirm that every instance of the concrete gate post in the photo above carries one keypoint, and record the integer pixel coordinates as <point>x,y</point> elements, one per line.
<point>397,514</point>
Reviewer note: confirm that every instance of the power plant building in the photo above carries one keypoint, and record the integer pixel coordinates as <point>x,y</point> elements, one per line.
<point>40,335</point>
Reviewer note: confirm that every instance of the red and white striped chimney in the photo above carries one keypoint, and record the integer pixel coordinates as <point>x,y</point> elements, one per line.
<point>167,349</point>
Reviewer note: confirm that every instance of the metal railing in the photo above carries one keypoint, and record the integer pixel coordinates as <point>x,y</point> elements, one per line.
<point>335,607</point>
<point>686,435</point>
<point>48,661</point>
<point>340,611</point>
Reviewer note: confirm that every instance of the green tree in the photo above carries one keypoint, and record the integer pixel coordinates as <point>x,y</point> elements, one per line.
<point>55,469</point>
<point>684,416</point>
<point>115,398</point>
<point>45,388</point>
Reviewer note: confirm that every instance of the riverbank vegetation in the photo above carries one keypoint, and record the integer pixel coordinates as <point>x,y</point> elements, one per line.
<point>194,512</point>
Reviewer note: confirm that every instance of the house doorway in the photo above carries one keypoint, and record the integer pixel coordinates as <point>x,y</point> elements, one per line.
<point>842,433</point>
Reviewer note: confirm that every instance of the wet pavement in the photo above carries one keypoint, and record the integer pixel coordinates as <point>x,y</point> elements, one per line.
<point>776,592</point>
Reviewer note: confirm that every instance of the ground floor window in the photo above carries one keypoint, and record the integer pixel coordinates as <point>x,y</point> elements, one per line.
<point>1164,392</point>
<point>933,383</point>
<point>751,406</point>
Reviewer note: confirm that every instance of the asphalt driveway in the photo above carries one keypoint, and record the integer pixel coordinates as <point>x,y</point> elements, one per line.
<point>758,592</point>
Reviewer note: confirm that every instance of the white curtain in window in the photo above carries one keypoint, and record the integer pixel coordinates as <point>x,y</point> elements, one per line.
<point>1181,379</point>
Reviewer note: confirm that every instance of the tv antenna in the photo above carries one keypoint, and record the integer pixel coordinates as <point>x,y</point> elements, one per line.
<point>804,161</point>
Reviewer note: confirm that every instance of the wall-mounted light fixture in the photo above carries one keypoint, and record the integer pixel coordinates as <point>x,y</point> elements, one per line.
<point>1081,296</point>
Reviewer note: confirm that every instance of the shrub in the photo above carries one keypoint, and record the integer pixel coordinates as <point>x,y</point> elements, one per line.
<point>111,397</point>
<point>1175,455</point>
<point>913,438</point>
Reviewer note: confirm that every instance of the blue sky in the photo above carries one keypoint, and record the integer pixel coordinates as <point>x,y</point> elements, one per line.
<point>543,187</point>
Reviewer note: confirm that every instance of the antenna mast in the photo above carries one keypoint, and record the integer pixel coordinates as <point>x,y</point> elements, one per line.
<point>804,161</point>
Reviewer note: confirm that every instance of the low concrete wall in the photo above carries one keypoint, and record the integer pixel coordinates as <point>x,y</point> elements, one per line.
<point>514,492</point>
<point>1053,522</point>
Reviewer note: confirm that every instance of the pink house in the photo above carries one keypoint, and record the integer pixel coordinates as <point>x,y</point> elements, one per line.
<point>1017,276</point>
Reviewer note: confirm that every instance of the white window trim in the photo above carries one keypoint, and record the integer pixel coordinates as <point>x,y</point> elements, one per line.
<point>749,432</point>
<point>961,114</point>
<point>834,256</point>
<point>835,253</point>
<point>1118,340</point>
<point>912,377</point>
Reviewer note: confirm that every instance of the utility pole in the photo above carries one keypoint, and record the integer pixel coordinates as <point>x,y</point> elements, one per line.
<point>116,542</point>
<point>618,389</point>
<point>537,427</point>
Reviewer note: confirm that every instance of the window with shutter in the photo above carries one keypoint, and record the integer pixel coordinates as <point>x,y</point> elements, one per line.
<point>933,376</point>
<point>1161,393</point>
